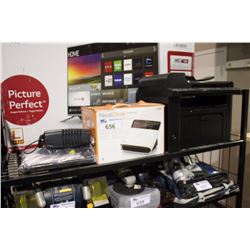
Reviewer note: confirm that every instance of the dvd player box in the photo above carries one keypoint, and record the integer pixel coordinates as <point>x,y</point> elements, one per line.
<point>125,131</point>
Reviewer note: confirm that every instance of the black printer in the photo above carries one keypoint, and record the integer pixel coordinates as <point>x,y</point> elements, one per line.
<point>197,112</point>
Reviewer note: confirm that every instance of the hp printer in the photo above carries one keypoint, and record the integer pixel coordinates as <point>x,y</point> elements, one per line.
<point>197,112</point>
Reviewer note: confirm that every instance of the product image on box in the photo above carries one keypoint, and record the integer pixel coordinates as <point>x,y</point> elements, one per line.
<point>142,136</point>
<point>107,73</point>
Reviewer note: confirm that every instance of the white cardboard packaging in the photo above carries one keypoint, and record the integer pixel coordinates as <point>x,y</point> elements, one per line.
<point>125,132</point>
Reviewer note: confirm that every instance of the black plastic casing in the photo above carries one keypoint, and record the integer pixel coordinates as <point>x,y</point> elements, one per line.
<point>191,120</point>
<point>66,138</point>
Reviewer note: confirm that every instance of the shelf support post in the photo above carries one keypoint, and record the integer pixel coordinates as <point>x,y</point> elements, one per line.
<point>242,151</point>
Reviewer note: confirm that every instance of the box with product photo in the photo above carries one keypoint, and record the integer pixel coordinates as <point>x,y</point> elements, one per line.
<point>125,131</point>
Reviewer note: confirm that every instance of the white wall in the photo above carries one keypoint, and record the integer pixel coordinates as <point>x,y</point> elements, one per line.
<point>163,53</point>
<point>48,64</point>
<point>211,62</point>
<point>1,62</point>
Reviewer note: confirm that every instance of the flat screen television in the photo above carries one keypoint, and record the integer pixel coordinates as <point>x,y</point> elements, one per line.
<point>107,73</point>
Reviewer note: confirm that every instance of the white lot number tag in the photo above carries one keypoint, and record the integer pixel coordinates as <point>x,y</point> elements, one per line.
<point>140,200</point>
<point>202,185</point>
<point>100,203</point>
<point>111,124</point>
<point>70,204</point>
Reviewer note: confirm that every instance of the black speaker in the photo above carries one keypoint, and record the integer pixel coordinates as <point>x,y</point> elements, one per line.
<point>65,138</point>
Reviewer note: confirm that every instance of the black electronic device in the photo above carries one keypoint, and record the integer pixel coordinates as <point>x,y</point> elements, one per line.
<point>128,184</point>
<point>131,193</point>
<point>65,138</point>
<point>197,112</point>
<point>56,149</point>
<point>67,196</point>
<point>196,182</point>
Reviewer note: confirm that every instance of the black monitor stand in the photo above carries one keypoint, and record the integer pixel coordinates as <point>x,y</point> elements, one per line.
<point>71,117</point>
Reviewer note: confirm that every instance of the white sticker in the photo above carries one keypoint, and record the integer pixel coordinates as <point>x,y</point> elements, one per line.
<point>140,200</point>
<point>110,124</point>
<point>128,79</point>
<point>108,81</point>
<point>127,64</point>
<point>202,185</point>
<point>79,98</point>
<point>100,203</point>
<point>68,204</point>
<point>181,63</point>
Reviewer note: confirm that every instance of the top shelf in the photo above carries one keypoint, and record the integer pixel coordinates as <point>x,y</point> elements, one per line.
<point>96,168</point>
<point>179,92</point>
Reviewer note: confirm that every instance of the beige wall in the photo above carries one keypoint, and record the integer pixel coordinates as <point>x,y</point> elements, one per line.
<point>207,46</point>
<point>238,51</point>
<point>241,79</point>
<point>204,46</point>
<point>235,51</point>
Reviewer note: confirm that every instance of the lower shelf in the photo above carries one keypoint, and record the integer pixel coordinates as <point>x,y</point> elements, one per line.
<point>73,171</point>
<point>210,201</point>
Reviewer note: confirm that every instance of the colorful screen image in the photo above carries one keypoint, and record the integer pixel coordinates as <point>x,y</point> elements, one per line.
<point>84,69</point>
<point>107,73</point>
<point>123,69</point>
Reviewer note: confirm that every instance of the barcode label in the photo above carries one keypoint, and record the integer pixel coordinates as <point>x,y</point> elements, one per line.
<point>69,204</point>
<point>140,201</point>
<point>202,185</point>
<point>111,124</point>
<point>100,203</point>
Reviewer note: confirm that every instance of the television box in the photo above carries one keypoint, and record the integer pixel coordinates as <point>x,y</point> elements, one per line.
<point>125,131</point>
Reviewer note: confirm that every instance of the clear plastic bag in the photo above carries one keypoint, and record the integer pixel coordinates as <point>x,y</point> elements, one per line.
<point>44,157</point>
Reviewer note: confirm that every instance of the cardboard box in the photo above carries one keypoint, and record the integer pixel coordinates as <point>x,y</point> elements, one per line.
<point>125,131</point>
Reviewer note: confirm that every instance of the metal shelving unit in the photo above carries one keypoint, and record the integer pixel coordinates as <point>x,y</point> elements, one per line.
<point>10,176</point>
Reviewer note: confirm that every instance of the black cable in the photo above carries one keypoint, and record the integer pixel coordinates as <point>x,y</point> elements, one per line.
<point>29,146</point>
<point>11,200</point>
<point>190,158</point>
<point>197,158</point>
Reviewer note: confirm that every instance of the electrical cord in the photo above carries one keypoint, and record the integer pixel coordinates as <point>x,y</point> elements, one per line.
<point>8,200</point>
<point>197,158</point>
<point>29,152</point>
